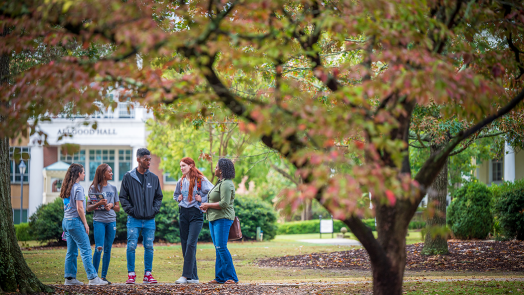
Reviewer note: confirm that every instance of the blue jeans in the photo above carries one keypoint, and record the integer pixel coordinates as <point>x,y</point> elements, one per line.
<point>104,236</point>
<point>134,226</point>
<point>224,268</point>
<point>77,238</point>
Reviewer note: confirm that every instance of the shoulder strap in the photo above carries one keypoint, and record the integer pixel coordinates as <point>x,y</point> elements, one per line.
<point>199,183</point>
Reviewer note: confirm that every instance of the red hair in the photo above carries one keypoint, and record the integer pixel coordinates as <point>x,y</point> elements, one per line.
<point>193,174</point>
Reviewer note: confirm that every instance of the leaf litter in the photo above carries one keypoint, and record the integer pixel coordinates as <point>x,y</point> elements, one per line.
<point>464,256</point>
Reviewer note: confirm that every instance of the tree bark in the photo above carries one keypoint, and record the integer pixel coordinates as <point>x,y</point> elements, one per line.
<point>15,275</point>
<point>435,242</point>
<point>387,252</point>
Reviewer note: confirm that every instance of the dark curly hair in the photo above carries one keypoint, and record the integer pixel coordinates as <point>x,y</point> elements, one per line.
<point>227,167</point>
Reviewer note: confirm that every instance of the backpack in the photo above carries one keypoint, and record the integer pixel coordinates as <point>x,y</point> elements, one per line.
<point>199,184</point>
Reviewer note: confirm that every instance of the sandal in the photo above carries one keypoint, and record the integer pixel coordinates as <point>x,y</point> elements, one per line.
<point>213,282</point>
<point>229,282</point>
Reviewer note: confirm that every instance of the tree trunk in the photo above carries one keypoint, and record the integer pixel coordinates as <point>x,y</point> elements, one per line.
<point>306,211</point>
<point>388,271</point>
<point>211,168</point>
<point>436,242</point>
<point>15,275</point>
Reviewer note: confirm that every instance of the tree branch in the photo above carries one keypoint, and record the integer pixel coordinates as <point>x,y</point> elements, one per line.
<point>285,174</point>
<point>517,53</point>
<point>434,164</point>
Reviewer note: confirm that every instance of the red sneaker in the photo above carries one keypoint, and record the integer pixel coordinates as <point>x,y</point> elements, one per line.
<point>148,279</point>
<point>131,278</point>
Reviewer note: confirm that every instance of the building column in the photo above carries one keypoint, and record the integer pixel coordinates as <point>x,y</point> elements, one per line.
<point>509,163</point>
<point>36,179</point>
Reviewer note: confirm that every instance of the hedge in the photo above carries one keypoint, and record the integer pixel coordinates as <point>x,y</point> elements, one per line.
<point>310,227</point>
<point>22,232</point>
<point>313,226</point>
<point>46,223</point>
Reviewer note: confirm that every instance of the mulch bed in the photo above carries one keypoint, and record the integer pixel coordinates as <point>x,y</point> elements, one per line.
<point>464,256</point>
<point>188,289</point>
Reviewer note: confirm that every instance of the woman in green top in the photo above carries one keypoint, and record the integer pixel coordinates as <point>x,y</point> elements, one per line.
<point>221,213</point>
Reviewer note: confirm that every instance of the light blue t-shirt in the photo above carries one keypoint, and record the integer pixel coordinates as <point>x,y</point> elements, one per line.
<point>77,194</point>
<point>184,191</point>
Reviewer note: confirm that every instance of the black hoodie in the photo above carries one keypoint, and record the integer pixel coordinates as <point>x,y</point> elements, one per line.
<point>141,200</point>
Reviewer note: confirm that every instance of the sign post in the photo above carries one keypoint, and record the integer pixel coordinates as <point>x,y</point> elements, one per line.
<point>326,226</point>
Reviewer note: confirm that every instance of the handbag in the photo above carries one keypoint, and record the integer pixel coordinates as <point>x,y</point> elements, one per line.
<point>235,233</point>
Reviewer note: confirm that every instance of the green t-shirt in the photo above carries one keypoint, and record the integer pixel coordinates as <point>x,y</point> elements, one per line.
<point>224,194</point>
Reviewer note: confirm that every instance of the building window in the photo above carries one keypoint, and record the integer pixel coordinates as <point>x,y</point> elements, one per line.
<point>15,176</point>
<point>126,110</point>
<point>497,170</point>
<point>124,163</point>
<point>78,158</point>
<point>97,157</point>
<point>169,179</point>
<point>16,216</point>
<point>56,184</point>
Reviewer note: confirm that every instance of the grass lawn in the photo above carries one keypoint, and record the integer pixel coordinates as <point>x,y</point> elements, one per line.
<point>49,264</point>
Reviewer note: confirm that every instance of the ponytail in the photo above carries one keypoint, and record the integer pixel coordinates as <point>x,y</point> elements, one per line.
<point>70,179</point>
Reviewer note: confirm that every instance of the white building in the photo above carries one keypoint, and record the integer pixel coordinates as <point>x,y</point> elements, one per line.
<point>120,133</point>
<point>510,168</point>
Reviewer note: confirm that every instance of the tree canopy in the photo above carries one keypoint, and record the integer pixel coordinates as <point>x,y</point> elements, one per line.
<point>335,87</point>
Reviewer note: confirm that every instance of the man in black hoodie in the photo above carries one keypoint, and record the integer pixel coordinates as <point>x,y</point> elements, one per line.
<point>141,198</point>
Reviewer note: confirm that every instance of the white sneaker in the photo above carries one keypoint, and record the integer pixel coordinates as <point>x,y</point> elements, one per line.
<point>97,282</point>
<point>182,280</point>
<point>73,282</point>
<point>193,281</point>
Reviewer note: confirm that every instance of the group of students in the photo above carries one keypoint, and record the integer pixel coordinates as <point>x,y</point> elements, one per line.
<point>141,197</point>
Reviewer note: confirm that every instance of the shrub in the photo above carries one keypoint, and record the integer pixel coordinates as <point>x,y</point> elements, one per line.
<point>167,226</point>
<point>46,223</point>
<point>509,209</point>
<point>252,213</point>
<point>417,225</point>
<point>499,190</point>
<point>22,232</point>
<point>167,222</point>
<point>469,215</point>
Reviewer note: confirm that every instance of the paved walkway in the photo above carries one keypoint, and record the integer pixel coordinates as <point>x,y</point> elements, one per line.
<point>336,242</point>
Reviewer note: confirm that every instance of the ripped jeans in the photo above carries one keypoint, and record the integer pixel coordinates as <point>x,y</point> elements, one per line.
<point>134,226</point>
<point>104,236</point>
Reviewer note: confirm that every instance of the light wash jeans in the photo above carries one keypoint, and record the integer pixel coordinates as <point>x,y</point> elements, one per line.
<point>224,268</point>
<point>77,238</point>
<point>104,236</point>
<point>134,227</point>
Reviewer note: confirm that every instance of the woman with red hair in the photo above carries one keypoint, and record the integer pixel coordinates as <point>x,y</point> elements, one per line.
<point>191,191</point>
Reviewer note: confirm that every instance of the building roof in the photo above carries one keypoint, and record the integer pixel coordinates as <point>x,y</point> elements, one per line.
<point>58,166</point>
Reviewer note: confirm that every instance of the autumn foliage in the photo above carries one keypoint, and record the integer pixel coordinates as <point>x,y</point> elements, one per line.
<point>334,86</point>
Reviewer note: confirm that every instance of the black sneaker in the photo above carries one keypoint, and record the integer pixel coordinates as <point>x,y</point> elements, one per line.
<point>108,282</point>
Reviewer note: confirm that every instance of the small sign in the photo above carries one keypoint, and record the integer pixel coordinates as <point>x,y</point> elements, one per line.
<point>326,226</point>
